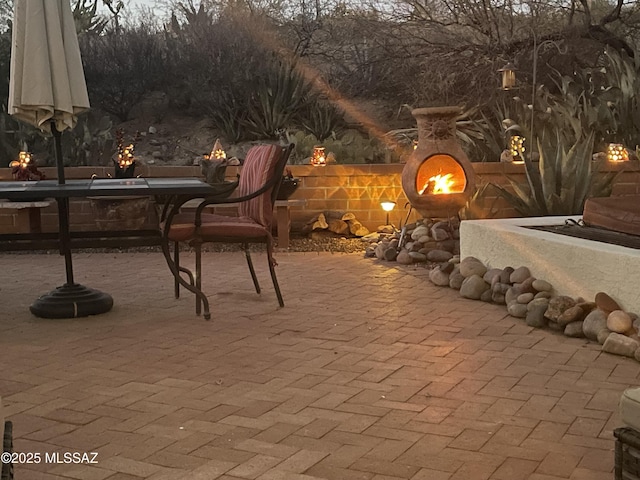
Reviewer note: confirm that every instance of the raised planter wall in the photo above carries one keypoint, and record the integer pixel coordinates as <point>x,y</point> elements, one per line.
<point>350,188</point>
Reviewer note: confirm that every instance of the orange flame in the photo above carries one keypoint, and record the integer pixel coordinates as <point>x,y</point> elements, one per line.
<point>438,184</point>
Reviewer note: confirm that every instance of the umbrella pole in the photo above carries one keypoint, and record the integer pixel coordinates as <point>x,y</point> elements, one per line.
<point>71,299</point>
<point>63,207</point>
<point>57,140</point>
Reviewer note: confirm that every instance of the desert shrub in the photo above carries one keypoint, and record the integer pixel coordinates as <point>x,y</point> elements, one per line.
<point>120,69</point>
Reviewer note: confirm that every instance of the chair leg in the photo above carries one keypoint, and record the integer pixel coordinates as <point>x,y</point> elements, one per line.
<point>176,260</point>
<point>166,251</point>
<point>245,246</point>
<point>198,248</point>
<point>272,270</point>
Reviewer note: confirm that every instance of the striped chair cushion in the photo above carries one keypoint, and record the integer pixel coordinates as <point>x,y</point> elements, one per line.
<point>258,168</point>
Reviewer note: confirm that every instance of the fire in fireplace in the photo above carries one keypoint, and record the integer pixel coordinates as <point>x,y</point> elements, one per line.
<point>438,178</point>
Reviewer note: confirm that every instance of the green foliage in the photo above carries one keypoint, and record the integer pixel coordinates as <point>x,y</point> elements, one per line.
<point>478,206</point>
<point>623,97</point>
<point>86,17</point>
<point>279,97</point>
<point>229,116</point>
<point>561,182</point>
<point>321,119</point>
<point>90,142</point>
<point>481,133</point>
<point>603,101</point>
<point>351,147</point>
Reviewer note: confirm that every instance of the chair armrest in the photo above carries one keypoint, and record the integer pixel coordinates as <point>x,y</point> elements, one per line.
<point>221,201</point>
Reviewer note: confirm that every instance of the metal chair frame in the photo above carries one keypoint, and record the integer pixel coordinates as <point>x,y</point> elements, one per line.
<point>194,281</point>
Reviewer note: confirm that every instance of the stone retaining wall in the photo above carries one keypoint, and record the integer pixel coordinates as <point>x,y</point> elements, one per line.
<point>353,188</point>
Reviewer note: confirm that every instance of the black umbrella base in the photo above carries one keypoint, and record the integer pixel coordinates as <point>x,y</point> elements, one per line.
<point>71,301</point>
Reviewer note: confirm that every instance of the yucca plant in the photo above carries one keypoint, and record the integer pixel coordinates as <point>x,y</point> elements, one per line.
<point>228,115</point>
<point>321,119</point>
<point>562,180</point>
<point>279,96</point>
<point>622,96</point>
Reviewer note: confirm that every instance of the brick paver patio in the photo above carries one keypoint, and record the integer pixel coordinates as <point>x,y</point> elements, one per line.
<point>369,372</point>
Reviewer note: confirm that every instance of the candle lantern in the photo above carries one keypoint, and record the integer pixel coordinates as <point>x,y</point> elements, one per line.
<point>516,148</point>
<point>318,158</point>
<point>616,153</point>
<point>508,73</point>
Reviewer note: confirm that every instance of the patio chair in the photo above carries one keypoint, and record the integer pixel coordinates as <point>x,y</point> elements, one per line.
<point>260,180</point>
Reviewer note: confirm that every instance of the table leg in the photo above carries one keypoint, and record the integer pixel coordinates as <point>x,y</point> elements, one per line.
<point>35,220</point>
<point>283,216</point>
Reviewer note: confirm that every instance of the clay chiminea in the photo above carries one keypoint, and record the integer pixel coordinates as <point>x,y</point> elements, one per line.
<point>438,178</point>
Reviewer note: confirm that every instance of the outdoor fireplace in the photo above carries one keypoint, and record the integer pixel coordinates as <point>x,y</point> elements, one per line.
<point>438,178</point>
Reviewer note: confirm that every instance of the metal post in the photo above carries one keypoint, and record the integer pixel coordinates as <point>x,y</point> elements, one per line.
<point>536,51</point>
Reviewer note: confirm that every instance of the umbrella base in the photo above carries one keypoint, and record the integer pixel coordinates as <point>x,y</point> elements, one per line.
<point>72,301</point>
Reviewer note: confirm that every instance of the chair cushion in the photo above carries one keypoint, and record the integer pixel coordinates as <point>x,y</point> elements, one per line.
<point>215,226</point>
<point>630,407</point>
<point>258,167</point>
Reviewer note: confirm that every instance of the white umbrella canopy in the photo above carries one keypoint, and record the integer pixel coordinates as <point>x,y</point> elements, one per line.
<point>47,80</point>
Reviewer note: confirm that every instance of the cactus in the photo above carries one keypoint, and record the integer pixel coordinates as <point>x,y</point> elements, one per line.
<point>351,147</point>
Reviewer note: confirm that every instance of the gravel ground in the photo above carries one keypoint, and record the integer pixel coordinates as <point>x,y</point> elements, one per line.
<point>296,244</point>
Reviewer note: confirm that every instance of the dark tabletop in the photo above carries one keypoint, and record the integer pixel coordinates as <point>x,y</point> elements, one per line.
<point>105,187</point>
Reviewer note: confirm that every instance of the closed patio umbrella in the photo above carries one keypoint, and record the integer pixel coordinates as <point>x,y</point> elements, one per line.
<point>47,89</point>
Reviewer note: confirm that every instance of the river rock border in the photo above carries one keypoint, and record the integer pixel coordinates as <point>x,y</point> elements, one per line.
<point>436,244</point>
<point>533,300</point>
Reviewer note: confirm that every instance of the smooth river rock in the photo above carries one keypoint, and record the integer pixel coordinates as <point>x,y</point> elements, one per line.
<point>420,231</point>
<point>535,313</point>
<point>606,303</point>
<point>473,286</point>
<point>602,335</point>
<point>472,266</point>
<point>439,256</point>
<point>418,257</point>
<point>619,321</point>
<point>404,258</point>
<point>491,273</point>
<point>519,275</point>
<point>574,329</point>
<point>524,298</point>
<point>542,285</point>
<point>506,275</point>
<point>456,279</point>
<point>620,345</point>
<point>517,310</point>
<point>594,323</point>
<point>438,277</point>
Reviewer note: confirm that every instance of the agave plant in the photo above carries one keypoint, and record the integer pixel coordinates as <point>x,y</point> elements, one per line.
<point>561,181</point>
<point>321,119</point>
<point>278,98</point>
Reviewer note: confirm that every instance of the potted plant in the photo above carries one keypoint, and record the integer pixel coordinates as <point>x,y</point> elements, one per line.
<point>288,185</point>
<point>125,212</point>
<point>24,169</point>
<point>125,162</point>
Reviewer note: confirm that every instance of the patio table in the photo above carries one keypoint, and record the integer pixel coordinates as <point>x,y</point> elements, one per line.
<point>73,299</point>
